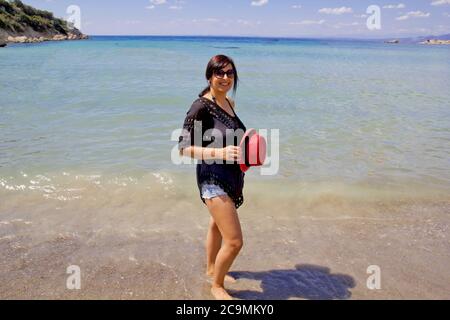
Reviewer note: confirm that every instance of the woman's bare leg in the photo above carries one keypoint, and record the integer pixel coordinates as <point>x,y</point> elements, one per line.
<point>213,244</point>
<point>225,216</point>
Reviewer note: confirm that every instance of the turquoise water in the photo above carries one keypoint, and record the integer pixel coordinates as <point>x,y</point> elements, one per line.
<point>103,111</point>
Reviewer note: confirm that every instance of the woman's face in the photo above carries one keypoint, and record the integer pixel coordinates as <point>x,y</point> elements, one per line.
<point>221,81</point>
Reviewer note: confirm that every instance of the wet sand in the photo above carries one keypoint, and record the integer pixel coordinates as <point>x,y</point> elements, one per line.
<point>315,250</point>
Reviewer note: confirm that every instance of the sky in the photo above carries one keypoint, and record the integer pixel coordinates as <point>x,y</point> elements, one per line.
<point>272,18</point>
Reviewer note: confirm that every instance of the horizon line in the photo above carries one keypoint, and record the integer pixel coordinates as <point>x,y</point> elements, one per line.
<point>265,37</point>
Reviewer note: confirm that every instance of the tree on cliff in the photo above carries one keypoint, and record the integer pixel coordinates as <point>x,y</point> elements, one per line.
<point>17,18</point>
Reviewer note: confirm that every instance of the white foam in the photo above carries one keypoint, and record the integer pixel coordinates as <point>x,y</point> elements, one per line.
<point>43,178</point>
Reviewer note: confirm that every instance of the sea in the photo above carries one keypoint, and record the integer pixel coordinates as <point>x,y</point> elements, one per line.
<point>88,133</point>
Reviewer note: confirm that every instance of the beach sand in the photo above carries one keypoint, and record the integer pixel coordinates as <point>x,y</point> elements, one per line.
<point>131,248</point>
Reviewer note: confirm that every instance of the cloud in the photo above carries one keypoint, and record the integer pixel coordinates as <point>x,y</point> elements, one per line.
<point>158,2</point>
<point>344,25</point>
<point>308,22</point>
<point>440,2</point>
<point>336,11</point>
<point>296,6</point>
<point>414,14</point>
<point>211,20</point>
<point>132,22</point>
<point>244,22</point>
<point>227,22</point>
<point>155,3</point>
<point>414,30</point>
<point>248,23</point>
<point>394,6</point>
<point>259,3</point>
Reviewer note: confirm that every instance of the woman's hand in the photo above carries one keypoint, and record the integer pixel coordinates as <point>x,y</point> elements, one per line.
<point>231,153</point>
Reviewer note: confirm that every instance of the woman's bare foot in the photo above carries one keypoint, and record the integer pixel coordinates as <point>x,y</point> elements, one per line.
<point>220,293</point>
<point>228,278</point>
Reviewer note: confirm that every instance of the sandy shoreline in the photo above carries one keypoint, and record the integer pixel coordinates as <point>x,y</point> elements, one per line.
<point>321,254</point>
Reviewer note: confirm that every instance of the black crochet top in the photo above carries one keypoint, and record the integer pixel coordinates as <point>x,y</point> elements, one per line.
<point>212,132</point>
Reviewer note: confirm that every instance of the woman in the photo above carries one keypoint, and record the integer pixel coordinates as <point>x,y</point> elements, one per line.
<point>220,182</point>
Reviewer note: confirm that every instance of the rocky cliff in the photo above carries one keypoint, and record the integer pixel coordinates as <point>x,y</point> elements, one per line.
<point>24,24</point>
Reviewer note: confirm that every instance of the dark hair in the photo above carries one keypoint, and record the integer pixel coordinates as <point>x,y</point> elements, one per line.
<point>217,63</point>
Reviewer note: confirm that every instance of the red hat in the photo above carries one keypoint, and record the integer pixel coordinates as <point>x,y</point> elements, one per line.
<point>253,148</point>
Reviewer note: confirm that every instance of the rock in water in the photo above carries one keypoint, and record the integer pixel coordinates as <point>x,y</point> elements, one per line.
<point>392,41</point>
<point>436,42</point>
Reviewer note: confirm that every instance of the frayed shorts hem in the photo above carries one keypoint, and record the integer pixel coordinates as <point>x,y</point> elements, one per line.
<point>210,191</point>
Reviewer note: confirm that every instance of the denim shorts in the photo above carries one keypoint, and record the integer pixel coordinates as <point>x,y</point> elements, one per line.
<point>210,191</point>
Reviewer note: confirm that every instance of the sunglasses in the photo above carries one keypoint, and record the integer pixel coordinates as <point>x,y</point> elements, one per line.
<point>221,74</point>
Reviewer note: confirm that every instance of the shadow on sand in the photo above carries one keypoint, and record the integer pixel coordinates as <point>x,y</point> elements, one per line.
<point>304,282</point>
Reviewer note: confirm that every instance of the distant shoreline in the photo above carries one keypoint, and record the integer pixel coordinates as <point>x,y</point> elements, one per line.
<point>79,36</point>
<point>436,42</point>
<point>416,40</point>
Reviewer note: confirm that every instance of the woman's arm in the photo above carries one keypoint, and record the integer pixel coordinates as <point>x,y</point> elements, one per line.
<point>201,153</point>
<point>229,153</point>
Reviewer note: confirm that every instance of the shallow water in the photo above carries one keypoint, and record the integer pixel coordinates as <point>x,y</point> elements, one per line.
<point>345,110</point>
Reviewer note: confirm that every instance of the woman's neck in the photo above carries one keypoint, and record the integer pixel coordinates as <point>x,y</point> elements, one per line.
<point>220,96</point>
